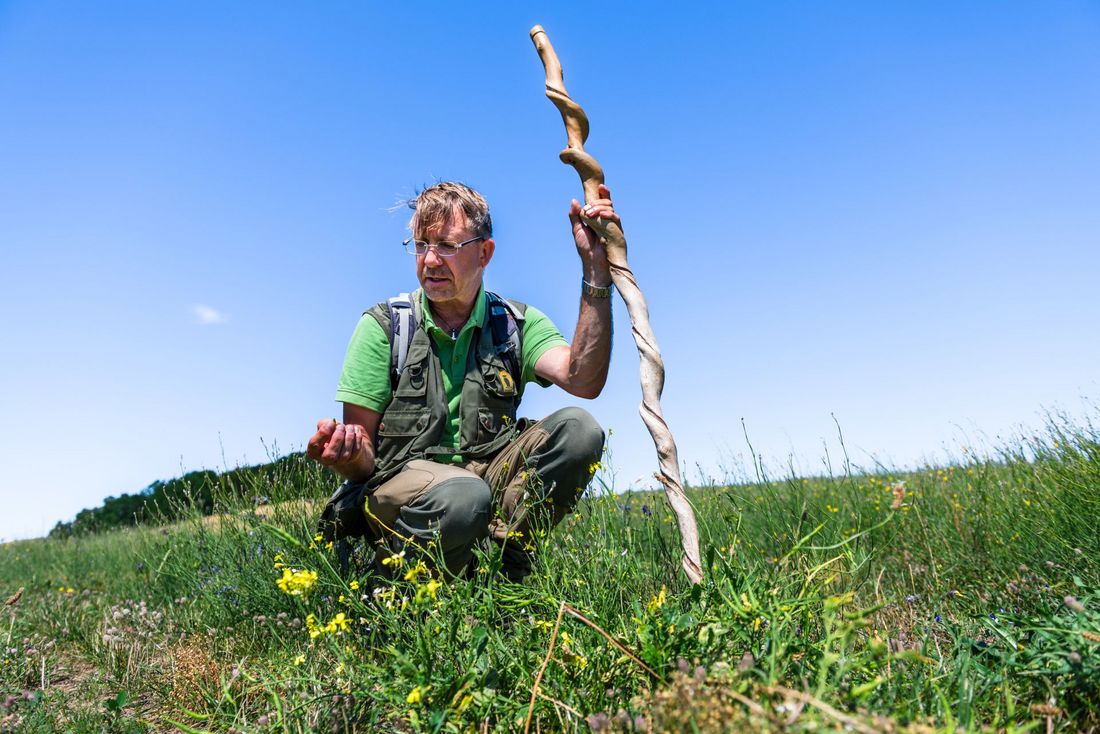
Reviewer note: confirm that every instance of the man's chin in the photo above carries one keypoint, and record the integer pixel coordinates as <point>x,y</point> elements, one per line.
<point>438,290</point>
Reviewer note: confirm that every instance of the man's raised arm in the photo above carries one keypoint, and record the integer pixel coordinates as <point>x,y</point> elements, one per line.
<point>581,368</point>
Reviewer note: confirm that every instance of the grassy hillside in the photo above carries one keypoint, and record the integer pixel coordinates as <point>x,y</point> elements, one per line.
<point>962,596</point>
<point>194,492</point>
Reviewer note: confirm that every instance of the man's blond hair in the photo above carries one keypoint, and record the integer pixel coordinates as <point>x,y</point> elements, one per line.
<point>436,206</point>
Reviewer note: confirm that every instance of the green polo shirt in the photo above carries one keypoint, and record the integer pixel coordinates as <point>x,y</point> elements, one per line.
<point>365,379</point>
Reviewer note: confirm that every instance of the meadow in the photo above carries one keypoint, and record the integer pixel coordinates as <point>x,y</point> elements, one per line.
<point>961,597</point>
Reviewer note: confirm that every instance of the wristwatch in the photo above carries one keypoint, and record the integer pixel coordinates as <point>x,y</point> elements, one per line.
<point>595,291</point>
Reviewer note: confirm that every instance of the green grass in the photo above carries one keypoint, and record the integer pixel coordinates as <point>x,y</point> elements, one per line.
<point>965,598</point>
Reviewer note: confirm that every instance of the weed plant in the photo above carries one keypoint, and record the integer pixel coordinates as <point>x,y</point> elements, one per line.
<point>956,597</point>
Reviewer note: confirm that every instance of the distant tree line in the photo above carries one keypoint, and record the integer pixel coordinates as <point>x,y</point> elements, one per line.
<point>198,491</point>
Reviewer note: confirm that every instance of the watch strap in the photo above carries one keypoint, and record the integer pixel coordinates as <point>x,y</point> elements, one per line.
<point>596,291</point>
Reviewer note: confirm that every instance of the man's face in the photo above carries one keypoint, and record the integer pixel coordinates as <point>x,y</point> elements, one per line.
<point>453,281</point>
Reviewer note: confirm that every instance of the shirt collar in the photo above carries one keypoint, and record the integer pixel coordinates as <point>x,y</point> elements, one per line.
<point>477,316</point>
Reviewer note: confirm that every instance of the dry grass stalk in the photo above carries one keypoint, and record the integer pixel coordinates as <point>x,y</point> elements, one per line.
<point>826,709</point>
<point>562,611</point>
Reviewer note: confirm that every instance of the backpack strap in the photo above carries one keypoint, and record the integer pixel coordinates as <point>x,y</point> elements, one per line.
<point>506,325</point>
<point>403,321</point>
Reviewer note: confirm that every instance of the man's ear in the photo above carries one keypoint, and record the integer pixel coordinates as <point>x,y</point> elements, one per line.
<point>488,247</point>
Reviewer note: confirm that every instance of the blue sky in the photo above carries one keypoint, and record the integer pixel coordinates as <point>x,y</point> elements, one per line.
<point>882,212</point>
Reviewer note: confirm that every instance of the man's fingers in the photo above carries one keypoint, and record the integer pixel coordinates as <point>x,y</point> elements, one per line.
<point>356,444</point>
<point>575,212</point>
<point>601,212</point>
<point>598,208</point>
<point>351,443</point>
<point>334,446</point>
<point>315,447</point>
<point>598,218</point>
<point>335,443</point>
<point>316,444</point>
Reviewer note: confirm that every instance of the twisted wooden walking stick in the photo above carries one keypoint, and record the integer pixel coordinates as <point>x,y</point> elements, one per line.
<point>652,366</point>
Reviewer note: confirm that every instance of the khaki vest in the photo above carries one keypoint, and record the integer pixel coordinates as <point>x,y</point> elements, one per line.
<point>414,422</point>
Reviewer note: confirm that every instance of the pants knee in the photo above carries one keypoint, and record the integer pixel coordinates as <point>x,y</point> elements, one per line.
<point>457,508</point>
<point>577,441</point>
<point>581,436</point>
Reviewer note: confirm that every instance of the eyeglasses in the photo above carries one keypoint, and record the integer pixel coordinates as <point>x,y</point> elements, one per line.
<point>442,248</point>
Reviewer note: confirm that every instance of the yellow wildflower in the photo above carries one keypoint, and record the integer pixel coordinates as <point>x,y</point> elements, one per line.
<point>295,582</point>
<point>394,560</point>
<point>657,601</point>
<point>338,624</point>
<point>415,571</point>
<point>543,625</point>
<point>299,660</point>
<point>354,585</point>
<point>428,590</point>
<point>414,696</point>
<point>311,625</point>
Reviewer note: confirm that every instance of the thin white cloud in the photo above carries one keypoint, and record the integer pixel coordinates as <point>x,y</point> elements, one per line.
<point>208,315</point>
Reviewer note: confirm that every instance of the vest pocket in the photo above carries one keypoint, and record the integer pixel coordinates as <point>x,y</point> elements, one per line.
<point>487,421</point>
<point>403,423</point>
<point>413,382</point>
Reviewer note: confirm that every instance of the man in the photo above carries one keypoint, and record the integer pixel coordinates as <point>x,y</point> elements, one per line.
<point>438,444</point>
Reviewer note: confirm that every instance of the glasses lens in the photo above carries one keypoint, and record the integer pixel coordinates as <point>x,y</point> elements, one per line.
<point>446,249</point>
<point>443,249</point>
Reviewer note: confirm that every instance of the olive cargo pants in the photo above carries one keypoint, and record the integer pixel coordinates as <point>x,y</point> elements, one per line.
<point>533,482</point>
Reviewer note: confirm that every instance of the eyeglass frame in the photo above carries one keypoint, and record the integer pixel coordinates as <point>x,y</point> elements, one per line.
<point>429,245</point>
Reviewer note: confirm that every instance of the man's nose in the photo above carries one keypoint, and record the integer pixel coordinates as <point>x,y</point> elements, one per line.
<point>432,258</point>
